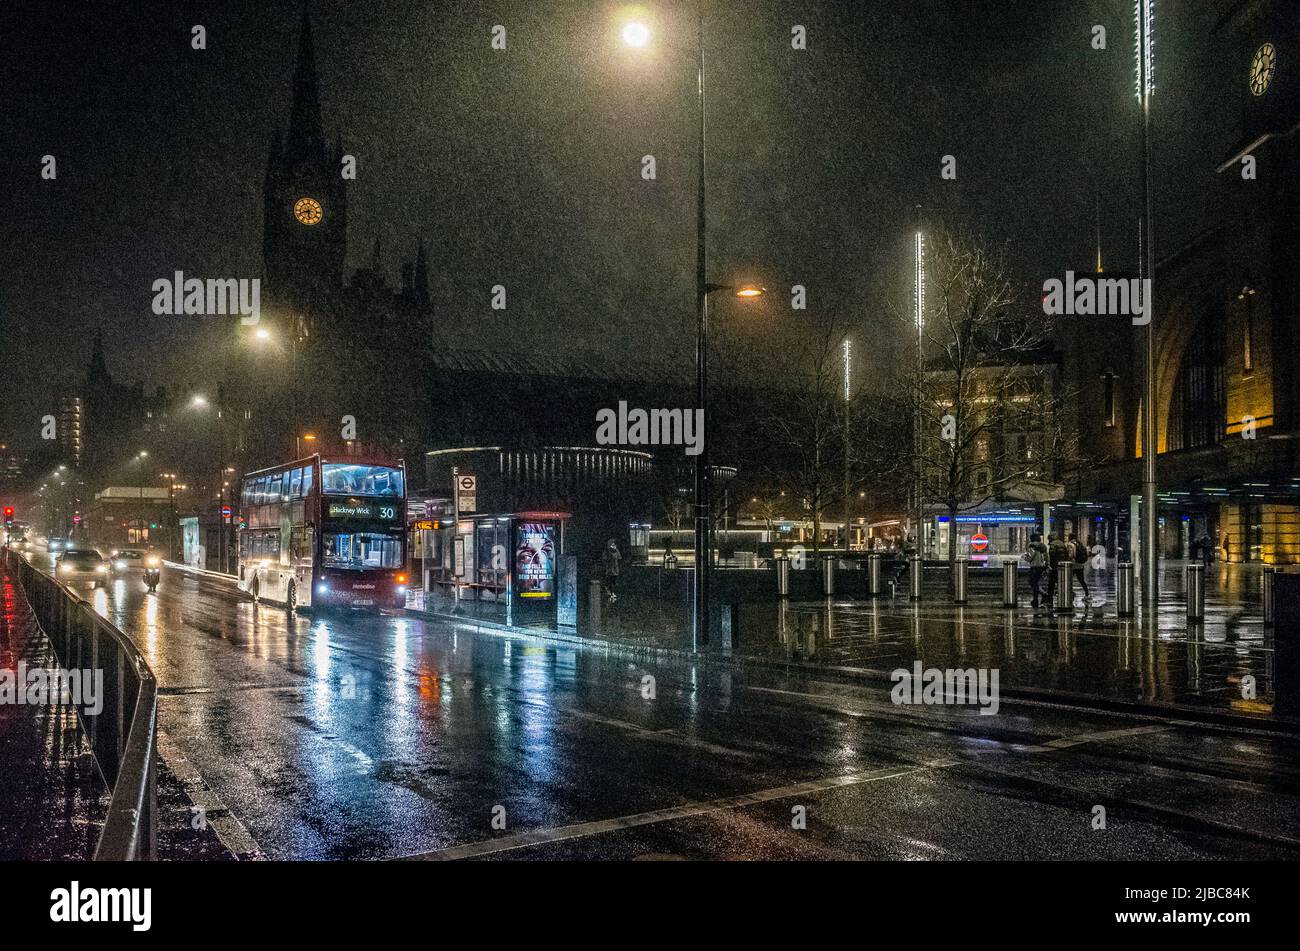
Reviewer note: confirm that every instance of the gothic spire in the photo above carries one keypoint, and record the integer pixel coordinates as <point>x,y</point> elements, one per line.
<point>306,138</point>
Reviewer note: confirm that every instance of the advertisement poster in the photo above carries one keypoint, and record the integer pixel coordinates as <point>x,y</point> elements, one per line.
<point>535,560</point>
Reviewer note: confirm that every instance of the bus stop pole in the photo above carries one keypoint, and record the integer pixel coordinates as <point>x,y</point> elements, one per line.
<point>455,532</point>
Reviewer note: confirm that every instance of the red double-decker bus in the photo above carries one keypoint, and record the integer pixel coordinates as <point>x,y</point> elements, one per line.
<point>325,532</point>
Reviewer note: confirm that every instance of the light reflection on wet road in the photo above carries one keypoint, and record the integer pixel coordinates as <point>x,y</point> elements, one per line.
<point>381,736</point>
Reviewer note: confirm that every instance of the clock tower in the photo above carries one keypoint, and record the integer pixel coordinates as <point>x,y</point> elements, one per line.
<point>305,214</point>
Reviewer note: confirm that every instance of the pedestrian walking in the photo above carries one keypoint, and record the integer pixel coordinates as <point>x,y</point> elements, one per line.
<point>1035,557</point>
<point>609,564</point>
<point>1079,555</point>
<point>1207,550</point>
<point>1058,553</point>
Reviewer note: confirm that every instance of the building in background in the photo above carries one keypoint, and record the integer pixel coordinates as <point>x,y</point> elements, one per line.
<point>1227,342</point>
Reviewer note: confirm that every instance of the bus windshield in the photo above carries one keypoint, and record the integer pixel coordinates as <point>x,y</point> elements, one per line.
<point>343,478</point>
<point>360,550</point>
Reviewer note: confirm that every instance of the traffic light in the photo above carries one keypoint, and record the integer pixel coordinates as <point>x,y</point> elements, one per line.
<point>9,515</point>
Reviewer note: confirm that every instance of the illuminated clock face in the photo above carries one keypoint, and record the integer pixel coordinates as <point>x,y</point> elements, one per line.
<point>308,211</point>
<point>1261,69</point>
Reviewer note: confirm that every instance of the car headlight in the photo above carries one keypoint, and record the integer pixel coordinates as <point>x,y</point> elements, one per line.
<point>101,569</point>
<point>119,565</point>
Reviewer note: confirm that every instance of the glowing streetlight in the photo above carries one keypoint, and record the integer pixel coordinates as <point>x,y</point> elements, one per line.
<point>750,290</point>
<point>636,34</point>
<point>199,401</point>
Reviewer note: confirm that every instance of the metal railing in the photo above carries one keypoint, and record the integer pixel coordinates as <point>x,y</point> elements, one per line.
<point>124,734</point>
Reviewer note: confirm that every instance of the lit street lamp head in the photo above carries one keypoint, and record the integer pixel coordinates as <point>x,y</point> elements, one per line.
<point>750,290</point>
<point>636,34</point>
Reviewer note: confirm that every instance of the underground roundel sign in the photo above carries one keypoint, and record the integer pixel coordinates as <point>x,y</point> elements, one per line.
<point>979,542</point>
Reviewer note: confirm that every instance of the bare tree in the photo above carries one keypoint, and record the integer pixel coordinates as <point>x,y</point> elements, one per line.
<point>987,401</point>
<point>805,426</point>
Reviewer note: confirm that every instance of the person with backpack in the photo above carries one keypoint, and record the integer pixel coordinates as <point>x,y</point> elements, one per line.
<point>1035,557</point>
<point>1058,553</point>
<point>1079,555</point>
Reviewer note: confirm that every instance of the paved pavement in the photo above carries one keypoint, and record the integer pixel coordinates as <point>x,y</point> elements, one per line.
<point>52,798</point>
<point>360,736</point>
<point>1087,651</point>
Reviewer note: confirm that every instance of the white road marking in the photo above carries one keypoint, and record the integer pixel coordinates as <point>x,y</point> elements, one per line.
<point>668,735</point>
<point>600,826</point>
<point>1099,736</point>
<point>232,833</point>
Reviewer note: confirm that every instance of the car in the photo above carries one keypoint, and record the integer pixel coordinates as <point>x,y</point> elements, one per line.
<point>57,545</point>
<point>82,564</point>
<point>126,560</point>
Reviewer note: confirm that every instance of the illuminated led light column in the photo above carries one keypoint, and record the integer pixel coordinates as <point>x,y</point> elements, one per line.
<point>848,349</point>
<point>918,295</point>
<point>1144,35</point>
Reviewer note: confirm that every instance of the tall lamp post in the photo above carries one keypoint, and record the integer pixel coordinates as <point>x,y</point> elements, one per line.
<point>1144,14</point>
<point>638,35</point>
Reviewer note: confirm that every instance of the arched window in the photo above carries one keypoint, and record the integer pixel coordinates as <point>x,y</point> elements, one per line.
<point>1198,407</point>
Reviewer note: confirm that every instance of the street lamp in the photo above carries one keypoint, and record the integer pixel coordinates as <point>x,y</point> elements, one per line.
<point>1144,22</point>
<point>637,36</point>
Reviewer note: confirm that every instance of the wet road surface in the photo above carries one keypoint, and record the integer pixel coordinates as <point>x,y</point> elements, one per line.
<point>364,737</point>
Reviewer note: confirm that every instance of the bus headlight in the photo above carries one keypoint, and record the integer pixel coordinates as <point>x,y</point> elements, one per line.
<point>120,565</point>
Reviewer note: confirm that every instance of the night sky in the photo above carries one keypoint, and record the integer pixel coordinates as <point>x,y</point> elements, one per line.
<point>523,167</point>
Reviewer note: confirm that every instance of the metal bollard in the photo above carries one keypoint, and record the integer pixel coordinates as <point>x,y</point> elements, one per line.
<point>1195,592</point>
<point>595,600</point>
<point>959,581</point>
<point>828,575</point>
<point>1270,579</point>
<point>1009,584</point>
<point>1124,578</point>
<point>914,579</point>
<point>782,576</point>
<point>1064,594</point>
<point>875,567</point>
